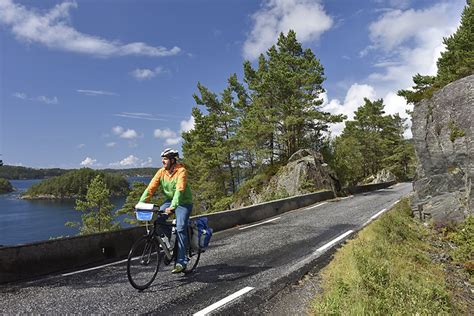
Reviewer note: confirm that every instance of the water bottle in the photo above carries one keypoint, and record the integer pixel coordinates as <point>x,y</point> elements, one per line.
<point>165,239</point>
<point>173,236</point>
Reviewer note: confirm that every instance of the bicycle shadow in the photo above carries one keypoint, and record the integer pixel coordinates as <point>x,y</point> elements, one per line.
<point>209,274</point>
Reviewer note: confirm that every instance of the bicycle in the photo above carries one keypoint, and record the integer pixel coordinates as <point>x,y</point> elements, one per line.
<point>146,254</point>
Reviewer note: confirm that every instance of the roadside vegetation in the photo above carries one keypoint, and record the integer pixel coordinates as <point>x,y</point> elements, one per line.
<point>243,134</point>
<point>388,269</point>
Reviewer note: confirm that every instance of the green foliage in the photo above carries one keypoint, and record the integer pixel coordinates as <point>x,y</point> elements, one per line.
<point>456,62</point>
<point>240,131</point>
<point>74,184</point>
<point>97,209</point>
<point>423,89</point>
<point>132,198</point>
<point>371,142</point>
<point>286,114</point>
<point>5,186</point>
<point>385,270</point>
<point>463,237</point>
<point>455,131</point>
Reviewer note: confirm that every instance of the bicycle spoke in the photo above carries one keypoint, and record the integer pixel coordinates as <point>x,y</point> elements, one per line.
<point>143,263</point>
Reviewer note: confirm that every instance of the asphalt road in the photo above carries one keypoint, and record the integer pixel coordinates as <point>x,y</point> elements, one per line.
<point>259,260</point>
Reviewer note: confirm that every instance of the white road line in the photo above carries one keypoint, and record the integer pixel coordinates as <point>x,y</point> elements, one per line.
<point>94,268</point>
<point>314,206</point>
<point>223,301</point>
<point>334,241</point>
<point>270,220</point>
<point>346,197</point>
<point>393,204</point>
<point>378,214</point>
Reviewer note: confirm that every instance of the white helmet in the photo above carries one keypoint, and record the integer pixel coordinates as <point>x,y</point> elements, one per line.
<point>170,153</point>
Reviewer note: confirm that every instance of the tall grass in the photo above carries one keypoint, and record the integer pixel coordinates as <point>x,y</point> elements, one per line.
<point>385,270</point>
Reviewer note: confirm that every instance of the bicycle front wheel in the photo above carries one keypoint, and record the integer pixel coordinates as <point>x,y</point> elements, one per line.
<point>143,262</point>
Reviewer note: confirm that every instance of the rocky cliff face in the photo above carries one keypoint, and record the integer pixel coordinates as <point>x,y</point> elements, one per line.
<point>442,132</point>
<point>304,173</point>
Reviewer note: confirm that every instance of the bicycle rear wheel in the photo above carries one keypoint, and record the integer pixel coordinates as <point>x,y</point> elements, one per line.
<point>143,262</point>
<point>193,259</point>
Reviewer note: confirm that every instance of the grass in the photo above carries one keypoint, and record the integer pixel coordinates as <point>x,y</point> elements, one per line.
<point>385,270</point>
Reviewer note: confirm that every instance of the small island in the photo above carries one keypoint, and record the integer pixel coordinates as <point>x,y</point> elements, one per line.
<point>5,186</point>
<point>73,184</point>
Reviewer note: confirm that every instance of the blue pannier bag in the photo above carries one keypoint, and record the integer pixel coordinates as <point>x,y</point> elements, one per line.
<point>201,233</point>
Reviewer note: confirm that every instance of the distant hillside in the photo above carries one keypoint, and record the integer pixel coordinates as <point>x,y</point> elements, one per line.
<point>19,173</point>
<point>73,184</point>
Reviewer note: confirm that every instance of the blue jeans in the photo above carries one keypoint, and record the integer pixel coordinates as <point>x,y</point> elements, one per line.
<point>182,213</point>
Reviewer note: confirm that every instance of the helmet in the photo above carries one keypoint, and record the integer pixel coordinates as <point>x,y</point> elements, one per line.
<point>170,153</point>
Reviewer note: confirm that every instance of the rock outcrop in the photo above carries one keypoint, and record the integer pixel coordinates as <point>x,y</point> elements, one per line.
<point>382,176</point>
<point>304,173</point>
<point>442,132</point>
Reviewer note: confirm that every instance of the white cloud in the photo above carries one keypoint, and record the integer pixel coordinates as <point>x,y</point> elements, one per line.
<point>111,144</point>
<point>188,125</point>
<point>164,133</point>
<point>121,132</point>
<point>80,146</point>
<point>129,134</point>
<point>147,163</point>
<point>20,95</point>
<point>145,74</point>
<point>44,99</point>
<point>41,98</point>
<point>117,130</point>
<point>406,42</point>
<point>88,162</point>
<point>355,98</point>
<point>172,141</point>
<point>411,42</point>
<point>53,29</point>
<point>140,116</point>
<point>131,162</point>
<point>93,93</point>
<point>170,137</point>
<point>307,18</point>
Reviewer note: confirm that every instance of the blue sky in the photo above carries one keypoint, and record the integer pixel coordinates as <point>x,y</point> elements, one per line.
<point>109,84</point>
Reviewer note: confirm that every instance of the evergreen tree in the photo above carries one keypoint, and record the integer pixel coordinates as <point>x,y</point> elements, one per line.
<point>212,150</point>
<point>96,208</point>
<point>285,91</point>
<point>458,59</point>
<point>370,142</point>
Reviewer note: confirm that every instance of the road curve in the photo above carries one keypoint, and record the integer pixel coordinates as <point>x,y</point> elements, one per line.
<point>242,263</point>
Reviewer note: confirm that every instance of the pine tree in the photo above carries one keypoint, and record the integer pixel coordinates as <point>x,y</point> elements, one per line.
<point>458,59</point>
<point>370,142</point>
<point>97,209</point>
<point>285,90</point>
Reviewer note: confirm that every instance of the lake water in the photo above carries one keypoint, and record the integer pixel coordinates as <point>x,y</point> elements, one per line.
<point>25,221</point>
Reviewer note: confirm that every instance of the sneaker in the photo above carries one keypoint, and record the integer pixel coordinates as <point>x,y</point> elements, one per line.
<point>178,268</point>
